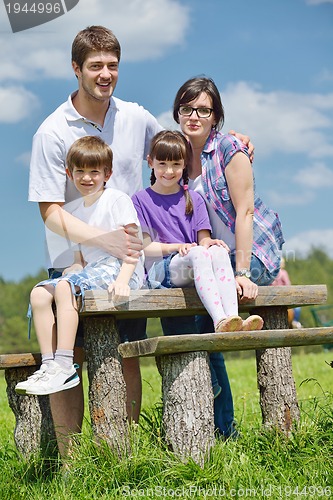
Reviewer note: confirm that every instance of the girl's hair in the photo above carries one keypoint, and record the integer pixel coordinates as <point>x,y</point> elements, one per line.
<point>89,151</point>
<point>94,39</point>
<point>171,145</point>
<point>191,89</point>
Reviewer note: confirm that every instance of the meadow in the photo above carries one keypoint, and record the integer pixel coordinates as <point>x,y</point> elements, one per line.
<point>259,464</point>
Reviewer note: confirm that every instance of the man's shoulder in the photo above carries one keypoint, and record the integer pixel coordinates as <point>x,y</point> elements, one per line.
<point>54,119</point>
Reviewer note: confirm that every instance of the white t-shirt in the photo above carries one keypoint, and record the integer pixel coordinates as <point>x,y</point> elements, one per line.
<point>112,210</point>
<point>128,129</point>
<point>219,229</point>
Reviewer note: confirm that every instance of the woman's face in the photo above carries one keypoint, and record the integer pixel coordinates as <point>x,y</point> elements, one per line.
<point>194,127</point>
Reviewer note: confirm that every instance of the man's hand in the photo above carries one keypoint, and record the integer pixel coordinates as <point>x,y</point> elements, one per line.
<point>245,140</point>
<point>122,243</point>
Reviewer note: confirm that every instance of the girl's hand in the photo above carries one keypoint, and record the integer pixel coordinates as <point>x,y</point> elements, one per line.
<point>246,289</point>
<point>184,248</point>
<point>209,242</point>
<point>119,291</point>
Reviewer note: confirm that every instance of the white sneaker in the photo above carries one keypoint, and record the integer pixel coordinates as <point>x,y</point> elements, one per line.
<point>54,379</point>
<point>21,387</point>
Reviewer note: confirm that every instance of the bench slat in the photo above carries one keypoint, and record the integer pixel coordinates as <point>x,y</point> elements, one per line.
<point>185,301</point>
<point>18,360</point>
<point>228,341</point>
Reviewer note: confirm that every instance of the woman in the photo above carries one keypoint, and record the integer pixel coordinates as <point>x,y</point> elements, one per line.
<point>221,172</point>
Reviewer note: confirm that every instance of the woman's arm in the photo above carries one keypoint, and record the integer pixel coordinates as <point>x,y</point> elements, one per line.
<point>121,243</point>
<point>240,182</point>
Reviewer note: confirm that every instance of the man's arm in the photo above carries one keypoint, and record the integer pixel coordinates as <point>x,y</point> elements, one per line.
<point>121,243</point>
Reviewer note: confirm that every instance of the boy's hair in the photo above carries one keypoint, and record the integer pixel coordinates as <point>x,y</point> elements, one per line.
<point>94,39</point>
<point>89,151</point>
<point>171,145</point>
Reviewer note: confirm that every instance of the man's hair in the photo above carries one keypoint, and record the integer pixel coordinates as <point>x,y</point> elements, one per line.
<point>94,39</point>
<point>89,151</point>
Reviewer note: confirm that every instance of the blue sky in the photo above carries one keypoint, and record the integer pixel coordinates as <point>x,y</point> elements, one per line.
<point>272,62</point>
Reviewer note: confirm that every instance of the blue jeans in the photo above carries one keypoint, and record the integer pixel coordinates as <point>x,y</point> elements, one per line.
<point>223,404</point>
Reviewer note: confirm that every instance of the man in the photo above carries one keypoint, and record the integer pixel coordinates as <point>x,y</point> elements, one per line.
<point>128,129</point>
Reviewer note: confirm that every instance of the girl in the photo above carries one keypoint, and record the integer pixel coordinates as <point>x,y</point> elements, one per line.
<point>178,247</point>
<point>89,166</point>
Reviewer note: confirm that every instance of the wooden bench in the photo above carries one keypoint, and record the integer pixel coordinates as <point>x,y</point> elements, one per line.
<point>179,359</point>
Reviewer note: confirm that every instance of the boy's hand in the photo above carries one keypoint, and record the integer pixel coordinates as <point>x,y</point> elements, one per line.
<point>74,268</point>
<point>119,291</point>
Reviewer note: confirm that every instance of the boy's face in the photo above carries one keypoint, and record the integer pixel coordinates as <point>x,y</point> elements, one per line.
<point>89,180</point>
<point>98,76</point>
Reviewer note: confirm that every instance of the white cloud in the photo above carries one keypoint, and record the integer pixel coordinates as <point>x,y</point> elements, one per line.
<point>316,176</point>
<point>281,121</point>
<point>302,243</point>
<point>146,29</point>
<point>16,103</point>
<point>294,198</point>
<point>318,2</point>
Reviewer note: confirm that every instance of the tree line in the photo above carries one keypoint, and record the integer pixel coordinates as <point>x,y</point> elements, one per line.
<point>316,268</point>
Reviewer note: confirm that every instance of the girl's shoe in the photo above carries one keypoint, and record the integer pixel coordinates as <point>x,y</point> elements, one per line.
<point>229,324</point>
<point>251,323</point>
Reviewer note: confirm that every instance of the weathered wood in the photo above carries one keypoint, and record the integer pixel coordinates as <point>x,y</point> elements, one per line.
<point>188,409</point>
<point>185,301</point>
<point>278,398</point>
<point>228,341</point>
<point>19,360</point>
<point>34,430</point>
<point>107,391</point>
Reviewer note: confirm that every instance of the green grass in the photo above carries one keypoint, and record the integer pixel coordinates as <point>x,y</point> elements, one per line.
<point>258,465</point>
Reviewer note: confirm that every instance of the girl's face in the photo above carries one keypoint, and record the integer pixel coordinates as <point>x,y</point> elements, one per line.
<point>195,128</point>
<point>168,174</point>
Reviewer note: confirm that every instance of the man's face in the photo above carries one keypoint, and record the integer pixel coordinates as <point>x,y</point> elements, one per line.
<point>98,76</point>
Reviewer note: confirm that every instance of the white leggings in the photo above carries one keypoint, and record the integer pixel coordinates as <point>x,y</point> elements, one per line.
<point>213,277</point>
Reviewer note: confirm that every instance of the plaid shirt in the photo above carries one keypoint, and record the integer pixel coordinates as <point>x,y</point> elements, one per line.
<point>267,233</point>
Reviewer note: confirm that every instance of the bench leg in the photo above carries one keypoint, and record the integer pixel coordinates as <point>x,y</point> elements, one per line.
<point>188,406</point>
<point>278,398</point>
<point>107,390</point>
<point>34,430</point>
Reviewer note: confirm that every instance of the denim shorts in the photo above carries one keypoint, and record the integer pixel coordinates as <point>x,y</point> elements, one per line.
<point>259,273</point>
<point>129,329</point>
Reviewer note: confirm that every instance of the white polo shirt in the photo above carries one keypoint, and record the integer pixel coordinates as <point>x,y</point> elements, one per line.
<point>128,129</point>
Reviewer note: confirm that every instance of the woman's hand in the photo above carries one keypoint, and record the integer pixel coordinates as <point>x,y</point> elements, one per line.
<point>184,248</point>
<point>246,289</point>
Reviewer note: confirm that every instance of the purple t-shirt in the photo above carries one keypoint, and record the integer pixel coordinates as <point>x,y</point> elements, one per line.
<point>163,217</point>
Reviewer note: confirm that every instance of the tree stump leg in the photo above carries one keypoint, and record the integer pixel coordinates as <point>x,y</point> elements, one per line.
<point>278,398</point>
<point>34,430</point>
<point>107,390</point>
<point>188,406</point>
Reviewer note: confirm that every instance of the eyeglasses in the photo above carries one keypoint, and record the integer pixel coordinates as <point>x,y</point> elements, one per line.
<point>201,112</point>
